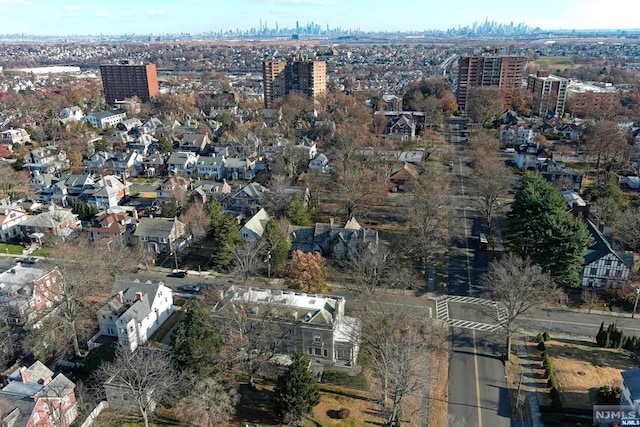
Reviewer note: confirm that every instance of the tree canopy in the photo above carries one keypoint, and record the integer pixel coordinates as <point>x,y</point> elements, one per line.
<point>541,229</point>
<point>223,231</point>
<point>296,392</point>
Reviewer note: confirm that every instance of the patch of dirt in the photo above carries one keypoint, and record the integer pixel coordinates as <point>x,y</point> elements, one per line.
<point>363,411</point>
<point>439,393</point>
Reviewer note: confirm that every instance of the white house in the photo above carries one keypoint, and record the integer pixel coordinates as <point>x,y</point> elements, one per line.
<point>105,119</point>
<point>182,161</point>
<point>71,114</point>
<point>530,156</point>
<point>604,267</point>
<point>10,218</point>
<point>320,164</point>
<point>14,136</point>
<point>253,229</point>
<point>210,167</point>
<point>133,313</point>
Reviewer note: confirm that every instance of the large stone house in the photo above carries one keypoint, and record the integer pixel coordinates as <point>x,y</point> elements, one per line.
<point>34,397</point>
<point>334,241</point>
<point>133,313</point>
<point>313,324</point>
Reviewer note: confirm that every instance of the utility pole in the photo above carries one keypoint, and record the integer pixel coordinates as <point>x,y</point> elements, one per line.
<point>268,261</point>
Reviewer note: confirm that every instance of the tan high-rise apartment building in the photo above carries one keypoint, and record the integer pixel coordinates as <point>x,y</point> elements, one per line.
<point>490,69</point>
<point>549,93</point>
<point>294,76</point>
<point>126,80</point>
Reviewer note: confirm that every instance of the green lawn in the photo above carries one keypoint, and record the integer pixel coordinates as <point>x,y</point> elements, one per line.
<point>6,248</point>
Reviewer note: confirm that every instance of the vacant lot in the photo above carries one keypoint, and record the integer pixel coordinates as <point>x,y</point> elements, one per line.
<point>581,368</point>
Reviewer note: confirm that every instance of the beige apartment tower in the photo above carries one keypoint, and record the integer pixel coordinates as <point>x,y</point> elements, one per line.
<point>503,72</point>
<point>549,93</point>
<point>294,76</point>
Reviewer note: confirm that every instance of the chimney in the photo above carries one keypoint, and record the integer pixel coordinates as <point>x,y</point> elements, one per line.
<point>139,296</point>
<point>23,375</point>
<point>121,297</point>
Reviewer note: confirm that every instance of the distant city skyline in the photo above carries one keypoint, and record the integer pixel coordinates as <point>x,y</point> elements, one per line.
<point>115,17</point>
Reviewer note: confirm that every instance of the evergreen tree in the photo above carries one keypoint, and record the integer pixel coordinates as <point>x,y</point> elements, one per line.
<point>224,233</point>
<point>195,344</point>
<point>296,392</point>
<point>276,245</point>
<point>601,336</point>
<point>84,210</point>
<point>298,212</point>
<point>165,146</point>
<point>541,229</point>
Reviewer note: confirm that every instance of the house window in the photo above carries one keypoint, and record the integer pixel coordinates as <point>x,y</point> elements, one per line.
<point>317,338</point>
<point>606,273</point>
<point>317,351</point>
<point>607,262</point>
<point>310,350</point>
<point>594,271</point>
<point>326,353</point>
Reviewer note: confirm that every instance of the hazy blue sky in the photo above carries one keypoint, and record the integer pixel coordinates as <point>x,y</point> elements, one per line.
<point>66,17</point>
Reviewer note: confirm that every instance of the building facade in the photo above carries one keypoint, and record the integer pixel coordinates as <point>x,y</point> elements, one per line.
<point>126,80</point>
<point>492,70</point>
<point>549,93</point>
<point>587,99</point>
<point>282,78</point>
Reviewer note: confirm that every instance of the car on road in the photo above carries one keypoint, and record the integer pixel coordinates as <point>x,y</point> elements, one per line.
<point>190,288</point>
<point>450,164</point>
<point>180,274</point>
<point>29,260</point>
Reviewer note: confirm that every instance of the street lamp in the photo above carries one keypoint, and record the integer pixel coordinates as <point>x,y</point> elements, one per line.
<point>635,304</point>
<point>268,261</point>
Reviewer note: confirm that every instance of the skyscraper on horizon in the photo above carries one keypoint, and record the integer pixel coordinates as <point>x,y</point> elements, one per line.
<point>281,78</point>
<point>126,80</point>
<point>503,72</point>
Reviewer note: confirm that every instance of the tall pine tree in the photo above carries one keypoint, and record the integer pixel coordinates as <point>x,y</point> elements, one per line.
<point>224,233</point>
<point>296,392</point>
<point>276,245</point>
<point>541,228</point>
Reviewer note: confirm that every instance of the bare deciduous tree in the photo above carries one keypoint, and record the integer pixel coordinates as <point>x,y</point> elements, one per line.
<point>208,403</point>
<point>247,258</point>
<point>492,179</point>
<point>398,348</point>
<point>147,376</point>
<point>517,286</point>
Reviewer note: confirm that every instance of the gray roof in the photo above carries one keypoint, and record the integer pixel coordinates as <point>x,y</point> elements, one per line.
<point>50,219</point>
<point>155,227</point>
<point>208,161</point>
<point>132,308</point>
<point>631,379</point>
<point>104,114</point>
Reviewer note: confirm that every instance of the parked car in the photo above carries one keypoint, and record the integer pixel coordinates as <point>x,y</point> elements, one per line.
<point>191,288</point>
<point>180,274</point>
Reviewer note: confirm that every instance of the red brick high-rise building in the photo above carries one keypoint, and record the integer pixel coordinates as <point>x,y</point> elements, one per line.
<point>281,78</point>
<point>126,80</point>
<point>503,72</point>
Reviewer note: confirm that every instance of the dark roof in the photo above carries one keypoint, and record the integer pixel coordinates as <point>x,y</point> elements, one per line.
<point>602,247</point>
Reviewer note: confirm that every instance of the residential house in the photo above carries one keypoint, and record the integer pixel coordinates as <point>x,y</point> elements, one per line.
<point>125,162</point>
<point>27,293</point>
<point>69,188</point>
<point>11,216</point>
<point>556,173</point>
<point>143,144</point>
<point>238,168</point>
<point>182,162</point>
<point>14,136</point>
<point>576,204</point>
<point>74,113</point>
<point>116,225</point>
<point>195,143</point>
<point>313,324</point>
<point>604,267</point>
<point>403,174</point>
<point>96,162</point>
<point>307,146</point>
<point>128,125</point>
<point>45,160</point>
<point>151,126</point>
<point>105,119</point>
<point>206,190</point>
<point>253,228</point>
<point>42,185</point>
<point>133,313</point>
<point>54,222</point>
<point>247,200</point>
<point>630,386</point>
<point>530,156</point>
<point>570,131</point>
<point>34,397</point>
<point>400,128</point>
<point>320,164</point>
<point>172,186</point>
<point>334,241</point>
<point>210,167</point>
<point>154,165</point>
<point>162,234</point>
<point>107,192</point>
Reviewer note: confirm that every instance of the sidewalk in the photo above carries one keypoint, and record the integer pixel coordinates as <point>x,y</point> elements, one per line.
<point>529,386</point>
